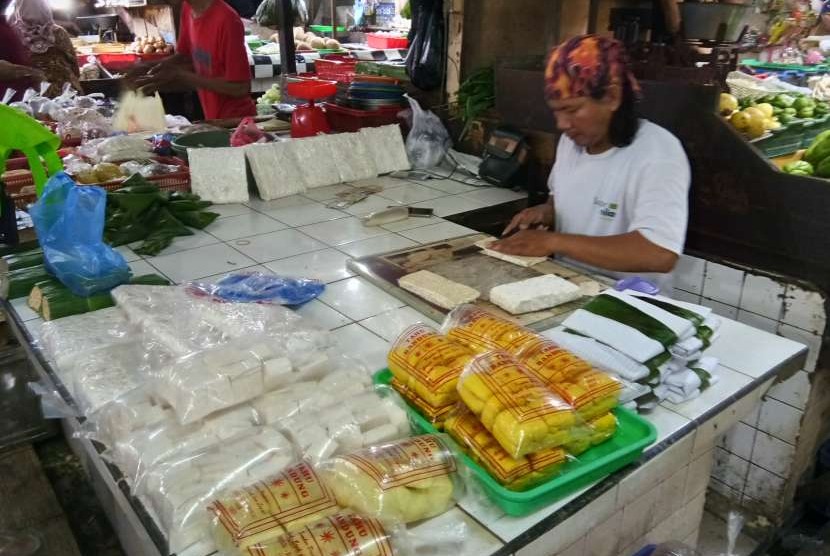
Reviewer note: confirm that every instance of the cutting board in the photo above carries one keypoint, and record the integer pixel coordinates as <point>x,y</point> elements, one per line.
<point>461,261</point>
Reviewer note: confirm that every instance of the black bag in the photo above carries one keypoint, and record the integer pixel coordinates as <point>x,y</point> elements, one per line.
<point>425,59</point>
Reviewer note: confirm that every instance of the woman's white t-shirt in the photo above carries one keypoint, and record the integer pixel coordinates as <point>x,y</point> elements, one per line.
<point>643,187</point>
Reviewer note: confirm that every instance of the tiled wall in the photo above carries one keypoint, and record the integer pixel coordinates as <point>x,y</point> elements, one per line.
<point>753,461</point>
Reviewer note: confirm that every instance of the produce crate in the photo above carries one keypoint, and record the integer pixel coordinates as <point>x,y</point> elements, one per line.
<point>117,62</point>
<point>342,118</point>
<point>342,70</point>
<point>21,186</point>
<point>781,141</point>
<point>383,42</point>
<point>633,435</point>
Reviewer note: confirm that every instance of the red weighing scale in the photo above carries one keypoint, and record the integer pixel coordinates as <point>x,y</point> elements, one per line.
<point>309,119</point>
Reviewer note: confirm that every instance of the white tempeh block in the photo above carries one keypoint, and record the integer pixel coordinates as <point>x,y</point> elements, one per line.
<point>437,289</point>
<point>276,170</point>
<point>219,175</point>
<point>534,294</point>
<point>387,148</point>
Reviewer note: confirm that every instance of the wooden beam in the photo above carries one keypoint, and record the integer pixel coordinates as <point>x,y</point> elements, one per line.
<point>288,58</point>
<point>593,14</point>
<point>455,37</point>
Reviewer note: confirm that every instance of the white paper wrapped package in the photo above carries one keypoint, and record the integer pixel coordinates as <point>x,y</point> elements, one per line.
<point>355,422</point>
<point>270,508</point>
<point>310,397</point>
<point>143,448</point>
<point>106,374</point>
<point>342,534</point>
<point>406,480</point>
<point>66,340</point>
<point>179,490</point>
<point>214,379</point>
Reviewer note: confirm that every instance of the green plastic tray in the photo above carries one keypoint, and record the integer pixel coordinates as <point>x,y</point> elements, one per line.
<point>326,28</point>
<point>633,435</point>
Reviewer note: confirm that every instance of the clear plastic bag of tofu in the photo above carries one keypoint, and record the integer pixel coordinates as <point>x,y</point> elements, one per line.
<point>179,489</point>
<point>258,512</point>
<point>67,340</point>
<point>105,374</point>
<point>482,331</point>
<point>370,417</point>
<point>120,418</point>
<point>237,371</point>
<point>522,414</point>
<point>405,480</point>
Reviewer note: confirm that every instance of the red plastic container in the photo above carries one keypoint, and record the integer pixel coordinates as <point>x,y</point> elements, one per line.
<point>344,119</point>
<point>336,70</point>
<point>383,42</point>
<point>117,62</point>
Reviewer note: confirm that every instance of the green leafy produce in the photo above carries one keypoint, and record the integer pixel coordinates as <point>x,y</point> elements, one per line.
<point>783,100</point>
<point>475,96</point>
<point>819,149</point>
<point>799,168</point>
<point>823,168</point>
<point>140,211</point>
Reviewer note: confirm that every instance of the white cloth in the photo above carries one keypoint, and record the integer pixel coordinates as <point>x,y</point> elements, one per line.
<point>599,355</point>
<point>625,339</point>
<point>682,328</point>
<point>642,187</point>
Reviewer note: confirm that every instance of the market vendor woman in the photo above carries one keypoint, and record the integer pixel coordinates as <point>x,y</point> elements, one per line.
<point>619,186</point>
<point>210,58</point>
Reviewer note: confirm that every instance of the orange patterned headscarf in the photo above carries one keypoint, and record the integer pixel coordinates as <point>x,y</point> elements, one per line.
<point>587,66</point>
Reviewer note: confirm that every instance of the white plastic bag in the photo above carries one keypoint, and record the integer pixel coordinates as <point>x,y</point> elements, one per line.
<point>428,140</point>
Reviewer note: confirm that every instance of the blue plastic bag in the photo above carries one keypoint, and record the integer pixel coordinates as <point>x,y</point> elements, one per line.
<point>256,287</point>
<point>69,221</point>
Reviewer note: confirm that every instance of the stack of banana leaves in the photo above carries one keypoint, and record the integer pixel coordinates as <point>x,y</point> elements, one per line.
<point>23,274</point>
<point>139,211</point>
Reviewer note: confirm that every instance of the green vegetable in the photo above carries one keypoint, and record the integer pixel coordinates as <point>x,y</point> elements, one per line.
<point>785,118</point>
<point>823,168</point>
<point>806,113</point>
<point>799,167</point>
<point>783,100</point>
<point>804,102</point>
<point>819,149</point>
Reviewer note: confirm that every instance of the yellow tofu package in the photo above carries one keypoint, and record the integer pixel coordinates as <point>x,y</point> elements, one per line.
<point>592,393</point>
<point>514,473</point>
<point>435,415</point>
<point>342,534</point>
<point>523,415</point>
<point>549,362</point>
<point>428,364</point>
<point>402,481</point>
<point>482,331</point>
<point>267,509</point>
<point>599,429</point>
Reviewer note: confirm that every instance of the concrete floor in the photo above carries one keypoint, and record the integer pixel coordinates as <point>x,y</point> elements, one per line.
<point>712,540</point>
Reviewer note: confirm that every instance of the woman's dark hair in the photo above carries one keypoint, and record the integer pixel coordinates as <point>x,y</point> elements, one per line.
<point>626,120</point>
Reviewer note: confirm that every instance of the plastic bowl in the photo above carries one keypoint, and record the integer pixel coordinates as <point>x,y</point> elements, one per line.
<point>219,138</point>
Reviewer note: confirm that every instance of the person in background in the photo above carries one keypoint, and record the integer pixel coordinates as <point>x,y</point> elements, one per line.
<point>619,187</point>
<point>210,57</point>
<point>15,71</point>
<point>49,46</point>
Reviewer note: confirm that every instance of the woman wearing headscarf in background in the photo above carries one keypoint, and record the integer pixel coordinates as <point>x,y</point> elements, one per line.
<point>49,46</point>
<point>618,190</point>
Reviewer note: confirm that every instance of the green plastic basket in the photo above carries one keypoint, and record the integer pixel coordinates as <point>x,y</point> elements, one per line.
<point>326,28</point>
<point>633,435</point>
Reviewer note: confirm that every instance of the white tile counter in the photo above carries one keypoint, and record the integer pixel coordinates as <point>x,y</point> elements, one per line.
<point>660,498</point>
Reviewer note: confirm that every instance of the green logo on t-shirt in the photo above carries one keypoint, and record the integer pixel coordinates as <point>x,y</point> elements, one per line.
<point>609,210</point>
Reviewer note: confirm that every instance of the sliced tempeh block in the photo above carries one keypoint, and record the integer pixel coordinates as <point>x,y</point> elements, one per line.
<point>515,259</point>
<point>437,289</point>
<point>534,294</point>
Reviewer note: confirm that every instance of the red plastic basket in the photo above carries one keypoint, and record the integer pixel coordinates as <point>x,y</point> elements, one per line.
<point>384,41</point>
<point>336,70</point>
<point>342,118</point>
<point>21,186</point>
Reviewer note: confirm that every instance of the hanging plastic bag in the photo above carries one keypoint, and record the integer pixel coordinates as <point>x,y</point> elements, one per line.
<point>257,287</point>
<point>425,58</point>
<point>428,141</point>
<point>69,221</point>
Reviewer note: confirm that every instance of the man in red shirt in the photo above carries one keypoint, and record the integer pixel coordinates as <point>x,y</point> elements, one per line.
<point>210,58</point>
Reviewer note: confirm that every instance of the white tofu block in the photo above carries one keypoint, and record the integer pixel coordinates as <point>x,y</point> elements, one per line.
<point>278,373</point>
<point>534,294</point>
<point>275,169</point>
<point>219,174</point>
<point>437,289</point>
<point>337,380</point>
<point>371,416</point>
<point>247,386</point>
<point>314,366</point>
<point>383,433</point>
<point>515,259</point>
<point>352,156</point>
<point>348,436</point>
<point>316,161</point>
<point>387,148</point>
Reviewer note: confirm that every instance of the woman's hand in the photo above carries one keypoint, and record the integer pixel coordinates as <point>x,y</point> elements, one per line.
<point>533,217</point>
<point>527,243</point>
<point>12,72</point>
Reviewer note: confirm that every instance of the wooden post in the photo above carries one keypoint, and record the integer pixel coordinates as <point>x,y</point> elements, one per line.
<point>288,59</point>
<point>455,37</point>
